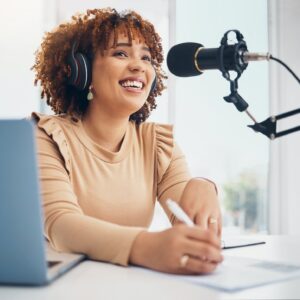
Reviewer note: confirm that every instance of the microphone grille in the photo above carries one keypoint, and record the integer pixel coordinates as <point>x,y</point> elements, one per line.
<point>181,61</point>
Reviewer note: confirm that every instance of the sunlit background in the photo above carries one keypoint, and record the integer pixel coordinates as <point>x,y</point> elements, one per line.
<point>258,183</point>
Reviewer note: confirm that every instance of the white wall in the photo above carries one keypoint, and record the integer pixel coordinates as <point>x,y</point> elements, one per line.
<point>284,23</point>
<point>20,31</point>
<point>22,26</point>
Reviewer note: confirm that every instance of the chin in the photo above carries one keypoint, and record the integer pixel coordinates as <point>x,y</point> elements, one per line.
<point>134,106</point>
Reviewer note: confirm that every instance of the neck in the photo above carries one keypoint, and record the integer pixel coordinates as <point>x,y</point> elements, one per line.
<point>106,130</point>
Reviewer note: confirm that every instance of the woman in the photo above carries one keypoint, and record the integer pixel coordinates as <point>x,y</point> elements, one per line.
<point>101,166</point>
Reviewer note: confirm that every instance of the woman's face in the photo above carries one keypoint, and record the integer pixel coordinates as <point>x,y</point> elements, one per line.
<point>122,77</point>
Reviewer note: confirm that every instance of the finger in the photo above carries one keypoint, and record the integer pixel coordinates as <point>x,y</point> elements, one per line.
<point>219,233</point>
<point>203,251</point>
<point>202,235</point>
<point>177,221</point>
<point>213,224</point>
<point>201,221</point>
<point>215,230</point>
<point>198,266</point>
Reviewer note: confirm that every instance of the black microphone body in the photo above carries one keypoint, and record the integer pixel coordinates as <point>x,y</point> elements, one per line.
<point>181,59</point>
<point>191,59</point>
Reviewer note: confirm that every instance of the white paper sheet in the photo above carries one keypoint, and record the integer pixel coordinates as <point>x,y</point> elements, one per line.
<point>237,273</point>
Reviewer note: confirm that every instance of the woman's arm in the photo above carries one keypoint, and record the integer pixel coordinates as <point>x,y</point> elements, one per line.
<point>180,249</point>
<point>163,251</point>
<point>200,201</point>
<point>197,196</point>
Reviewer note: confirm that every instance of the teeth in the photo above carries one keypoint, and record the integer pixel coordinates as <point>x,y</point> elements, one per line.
<point>132,83</point>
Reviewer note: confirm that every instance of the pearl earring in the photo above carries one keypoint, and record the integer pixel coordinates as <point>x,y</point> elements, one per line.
<point>90,94</point>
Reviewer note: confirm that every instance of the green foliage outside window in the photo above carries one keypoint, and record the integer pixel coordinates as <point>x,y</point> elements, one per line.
<point>243,201</point>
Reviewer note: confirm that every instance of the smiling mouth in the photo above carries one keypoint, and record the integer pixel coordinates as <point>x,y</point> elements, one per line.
<point>132,85</point>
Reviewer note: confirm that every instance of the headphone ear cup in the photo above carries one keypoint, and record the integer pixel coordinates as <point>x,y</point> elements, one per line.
<point>153,86</point>
<point>83,79</point>
<point>74,68</point>
<point>80,76</point>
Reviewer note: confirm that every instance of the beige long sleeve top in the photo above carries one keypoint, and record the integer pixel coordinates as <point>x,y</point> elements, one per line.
<point>95,201</point>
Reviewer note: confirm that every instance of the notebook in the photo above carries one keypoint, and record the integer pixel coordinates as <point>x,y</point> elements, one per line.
<point>25,257</point>
<point>230,242</point>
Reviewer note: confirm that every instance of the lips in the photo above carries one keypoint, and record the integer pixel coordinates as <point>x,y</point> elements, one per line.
<point>132,83</point>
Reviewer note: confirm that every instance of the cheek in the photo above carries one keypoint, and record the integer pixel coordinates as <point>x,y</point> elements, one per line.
<point>104,79</point>
<point>152,75</point>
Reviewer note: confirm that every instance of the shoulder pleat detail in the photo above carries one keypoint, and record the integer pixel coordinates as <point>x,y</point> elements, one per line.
<point>164,146</point>
<point>53,129</point>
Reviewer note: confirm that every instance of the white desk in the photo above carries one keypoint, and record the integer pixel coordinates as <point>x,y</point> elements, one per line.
<point>94,280</point>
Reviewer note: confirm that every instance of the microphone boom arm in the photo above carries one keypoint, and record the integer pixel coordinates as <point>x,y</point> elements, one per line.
<point>240,56</point>
<point>268,127</point>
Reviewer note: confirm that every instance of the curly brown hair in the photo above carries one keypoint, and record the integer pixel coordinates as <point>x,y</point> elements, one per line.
<point>91,31</point>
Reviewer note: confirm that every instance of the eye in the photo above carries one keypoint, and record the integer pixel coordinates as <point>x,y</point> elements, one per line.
<point>147,58</point>
<point>119,54</point>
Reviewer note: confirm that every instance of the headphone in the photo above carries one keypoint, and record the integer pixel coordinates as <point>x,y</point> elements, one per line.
<point>80,66</point>
<point>81,74</point>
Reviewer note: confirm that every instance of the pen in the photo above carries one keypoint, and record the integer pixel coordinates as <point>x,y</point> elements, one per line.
<point>182,216</point>
<point>179,213</point>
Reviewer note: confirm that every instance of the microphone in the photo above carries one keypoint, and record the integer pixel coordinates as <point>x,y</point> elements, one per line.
<point>191,59</point>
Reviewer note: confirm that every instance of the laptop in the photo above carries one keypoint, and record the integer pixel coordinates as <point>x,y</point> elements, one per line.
<point>25,256</point>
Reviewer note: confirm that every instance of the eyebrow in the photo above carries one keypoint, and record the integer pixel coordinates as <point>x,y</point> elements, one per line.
<point>129,45</point>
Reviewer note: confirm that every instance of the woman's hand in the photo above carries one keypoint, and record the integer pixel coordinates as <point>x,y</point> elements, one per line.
<point>200,201</point>
<point>180,250</point>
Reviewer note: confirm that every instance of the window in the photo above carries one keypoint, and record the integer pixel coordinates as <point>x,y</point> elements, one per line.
<point>212,133</point>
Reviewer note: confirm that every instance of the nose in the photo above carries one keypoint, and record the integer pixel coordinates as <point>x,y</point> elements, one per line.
<point>136,65</point>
